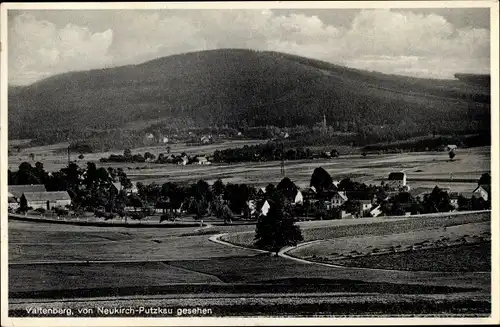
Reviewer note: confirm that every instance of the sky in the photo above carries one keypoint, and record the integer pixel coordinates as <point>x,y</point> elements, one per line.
<point>431,43</point>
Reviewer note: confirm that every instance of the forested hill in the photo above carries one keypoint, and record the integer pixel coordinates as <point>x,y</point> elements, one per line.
<point>239,88</point>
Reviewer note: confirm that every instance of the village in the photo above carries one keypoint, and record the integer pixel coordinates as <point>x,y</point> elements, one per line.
<point>110,194</point>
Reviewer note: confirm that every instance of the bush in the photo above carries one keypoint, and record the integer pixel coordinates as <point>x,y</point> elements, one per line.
<point>137,215</point>
<point>40,210</point>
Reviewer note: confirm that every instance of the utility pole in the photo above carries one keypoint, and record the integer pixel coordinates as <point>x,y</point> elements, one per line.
<point>69,144</point>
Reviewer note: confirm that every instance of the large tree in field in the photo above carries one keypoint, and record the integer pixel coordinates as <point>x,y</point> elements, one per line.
<point>321,179</point>
<point>277,229</point>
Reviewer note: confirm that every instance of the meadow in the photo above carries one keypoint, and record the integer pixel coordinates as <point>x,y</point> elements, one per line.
<point>424,169</point>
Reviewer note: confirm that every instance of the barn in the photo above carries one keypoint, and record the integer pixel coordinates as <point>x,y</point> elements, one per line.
<point>47,200</point>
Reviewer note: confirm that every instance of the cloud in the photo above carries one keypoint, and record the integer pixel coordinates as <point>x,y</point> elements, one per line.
<point>39,46</point>
<point>402,42</point>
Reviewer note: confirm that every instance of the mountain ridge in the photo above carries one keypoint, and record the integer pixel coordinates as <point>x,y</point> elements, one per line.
<point>235,87</point>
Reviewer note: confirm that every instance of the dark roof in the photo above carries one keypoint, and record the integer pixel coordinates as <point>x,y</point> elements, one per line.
<point>46,196</point>
<point>18,190</point>
<point>396,176</point>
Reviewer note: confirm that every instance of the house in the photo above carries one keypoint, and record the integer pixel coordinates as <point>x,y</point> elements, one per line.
<point>365,205</point>
<point>16,191</point>
<point>397,179</point>
<point>451,147</point>
<point>47,200</point>
<point>117,186</point>
<point>309,193</point>
<point>183,161</point>
<point>299,199</point>
<point>261,192</point>
<point>376,212</point>
<point>265,208</point>
<point>483,191</point>
<point>205,139</point>
<point>133,189</point>
<point>165,139</point>
<point>202,161</point>
<point>150,136</point>
<point>338,199</point>
<point>455,195</point>
<point>252,205</point>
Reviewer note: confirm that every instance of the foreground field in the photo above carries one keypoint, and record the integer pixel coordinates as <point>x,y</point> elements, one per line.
<point>341,248</point>
<point>106,266</point>
<point>375,227</point>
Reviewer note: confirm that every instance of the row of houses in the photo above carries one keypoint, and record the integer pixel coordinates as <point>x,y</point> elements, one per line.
<point>335,199</point>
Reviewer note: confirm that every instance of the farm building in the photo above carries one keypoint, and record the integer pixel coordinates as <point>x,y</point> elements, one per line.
<point>47,200</point>
<point>483,191</point>
<point>397,179</point>
<point>16,191</point>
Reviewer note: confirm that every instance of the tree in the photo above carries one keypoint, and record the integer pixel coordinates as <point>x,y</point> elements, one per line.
<point>485,179</point>
<point>81,156</point>
<point>321,179</point>
<point>277,229</point>
<point>287,188</point>
<point>127,153</point>
<point>218,188</point>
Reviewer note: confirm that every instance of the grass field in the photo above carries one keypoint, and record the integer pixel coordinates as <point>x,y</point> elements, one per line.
<point>372,227</point>
<point>187,269</point>
<point>469,164</point>
<point>474,257</point>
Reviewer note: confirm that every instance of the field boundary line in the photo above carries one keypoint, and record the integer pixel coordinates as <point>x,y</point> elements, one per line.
<point>216,239</point>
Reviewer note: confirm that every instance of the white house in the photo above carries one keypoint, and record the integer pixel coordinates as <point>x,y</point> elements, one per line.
<point>252,205</point>
<point>483,191</point>
<point>299,199</point>
<point>265,208</point>
<point>376,212</point>
<point>365,205</point>
<point>202,161</point>
<point>165,139</point>
<point>338,199</point>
